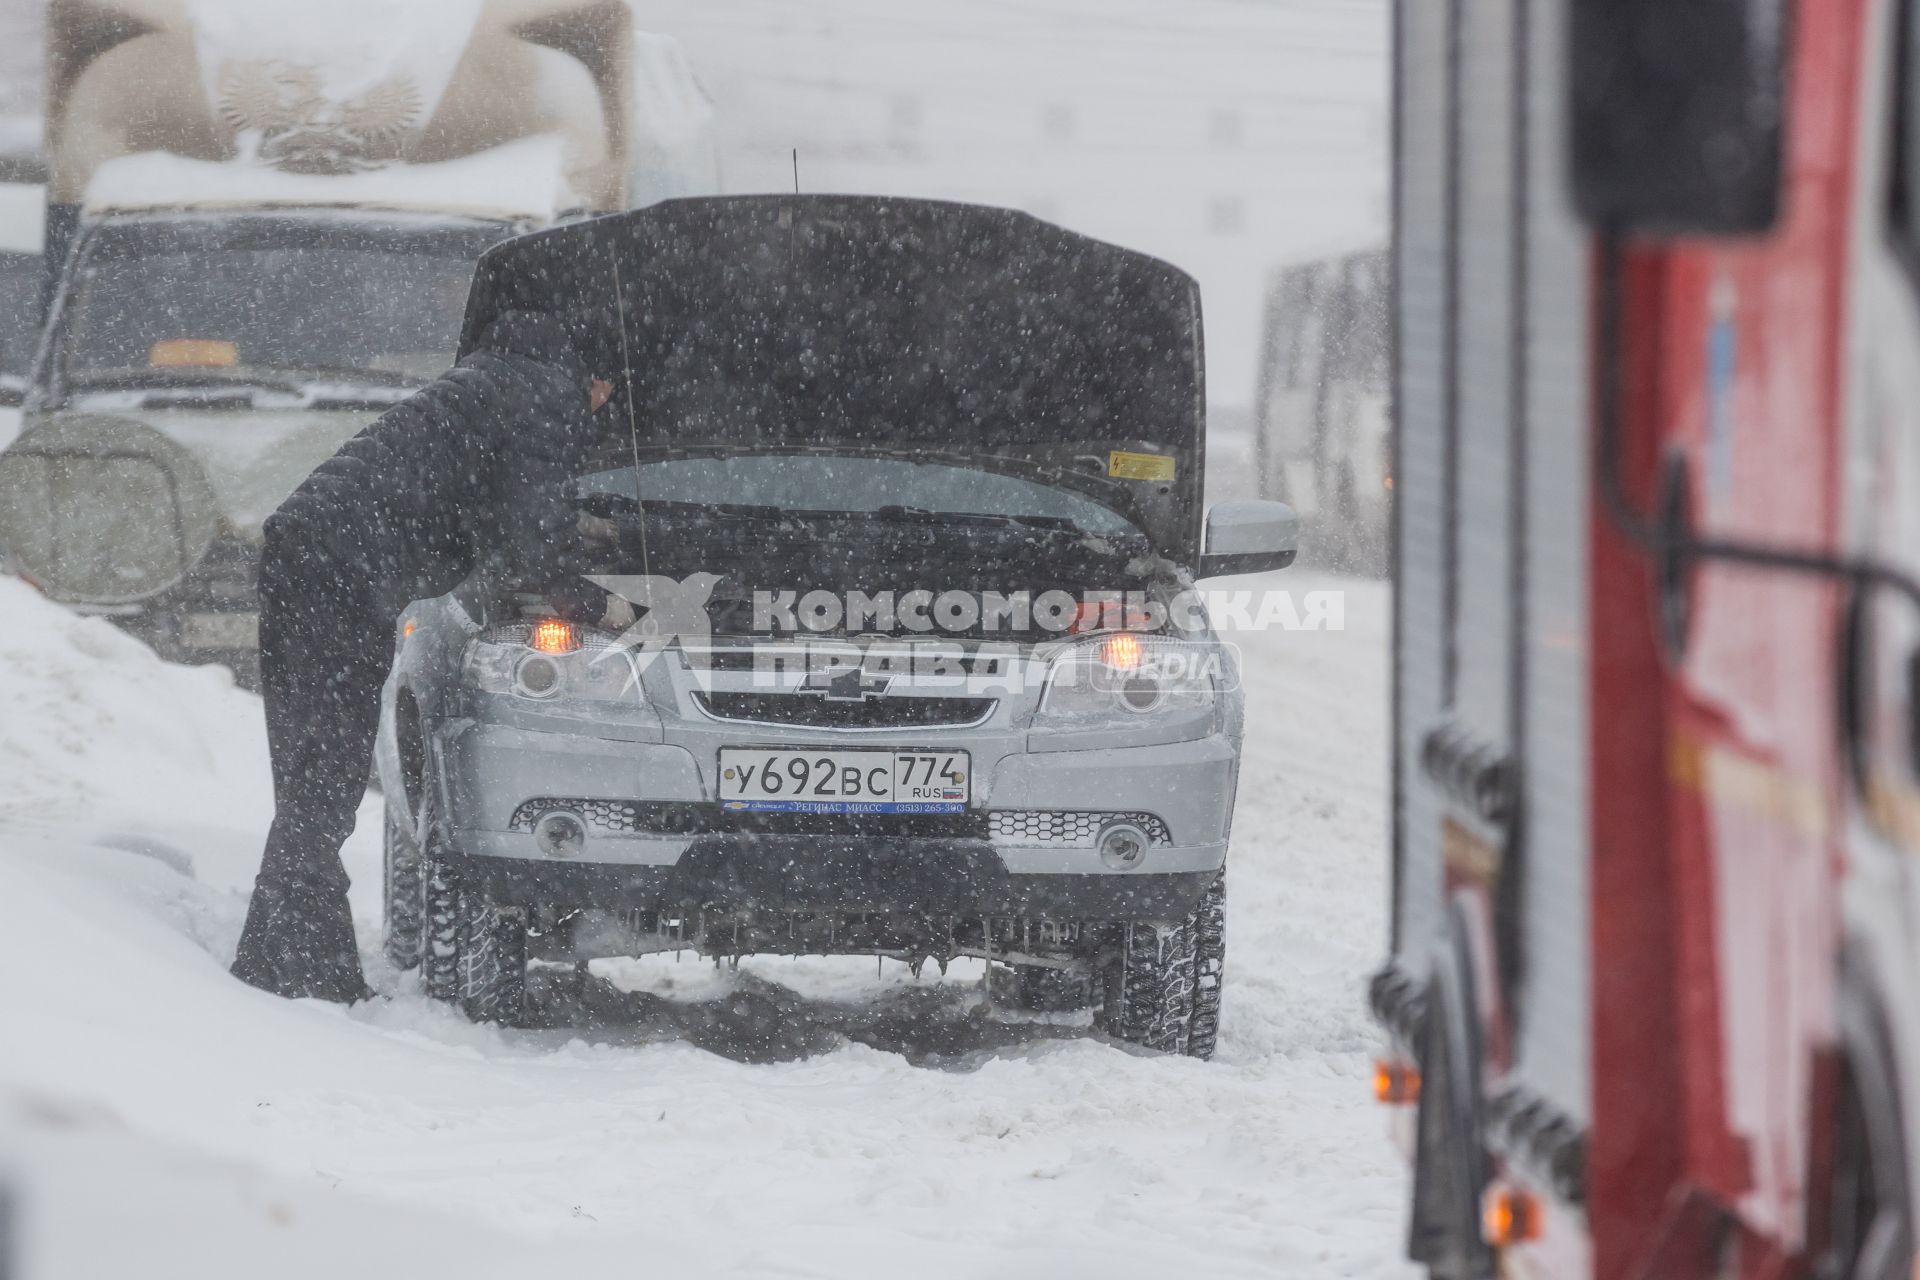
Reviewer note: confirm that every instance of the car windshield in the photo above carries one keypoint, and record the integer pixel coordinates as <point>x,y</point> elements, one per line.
<point>172,306</point>
<point>883,487</point>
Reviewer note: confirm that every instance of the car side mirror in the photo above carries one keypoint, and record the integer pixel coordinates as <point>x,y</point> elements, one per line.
<point>1249,537</point>
<point>1677,114</point>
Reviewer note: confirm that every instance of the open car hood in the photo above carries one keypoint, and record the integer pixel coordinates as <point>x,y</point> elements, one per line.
<point>873,323</point>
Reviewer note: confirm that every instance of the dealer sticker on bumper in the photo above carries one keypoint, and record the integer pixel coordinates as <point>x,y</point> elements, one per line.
<point>845,781</point>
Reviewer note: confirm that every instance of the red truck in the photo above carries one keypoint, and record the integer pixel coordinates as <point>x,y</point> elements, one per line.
<point>1653,995</point>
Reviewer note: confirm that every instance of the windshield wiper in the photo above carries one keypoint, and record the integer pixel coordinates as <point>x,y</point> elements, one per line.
<point>624,506</point>
<point>354,374</point>
<point>178,379</point>
<point>916,514</point>
<point>1046,524</point>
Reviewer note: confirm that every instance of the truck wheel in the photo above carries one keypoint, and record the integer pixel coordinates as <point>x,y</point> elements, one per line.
<point>1869,1228</point>
<point>1450,1164</point>
<point>1209,969</point>
<point>1149,998</point>
<point>404,899</point>
<point>492,982</point>
<point>440,943</point>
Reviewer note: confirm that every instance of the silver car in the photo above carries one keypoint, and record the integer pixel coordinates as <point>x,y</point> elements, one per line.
<point>879,636</point>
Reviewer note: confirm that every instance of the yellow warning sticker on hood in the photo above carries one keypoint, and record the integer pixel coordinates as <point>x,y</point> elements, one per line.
<point>1139,466</point>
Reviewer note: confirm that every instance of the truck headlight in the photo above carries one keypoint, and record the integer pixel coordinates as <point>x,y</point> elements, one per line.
<point>551,659</point>
<point>1127,673</point>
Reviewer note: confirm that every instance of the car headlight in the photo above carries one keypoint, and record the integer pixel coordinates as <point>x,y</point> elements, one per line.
<point>551,659</point>
<point>1128,673</point>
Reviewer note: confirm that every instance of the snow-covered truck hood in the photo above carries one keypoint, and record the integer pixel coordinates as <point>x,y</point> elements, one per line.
<point>254,459</point>
<point>522,181</point>
<point>115,506</point>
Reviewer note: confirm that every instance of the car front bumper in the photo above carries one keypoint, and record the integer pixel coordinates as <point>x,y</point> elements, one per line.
<point>655,831</point>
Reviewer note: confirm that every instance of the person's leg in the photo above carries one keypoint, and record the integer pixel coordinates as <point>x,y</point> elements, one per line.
<point>324,653</point>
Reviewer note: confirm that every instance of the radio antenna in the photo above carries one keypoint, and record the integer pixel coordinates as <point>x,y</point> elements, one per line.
<point>633,425</point>
<point>796,171</point>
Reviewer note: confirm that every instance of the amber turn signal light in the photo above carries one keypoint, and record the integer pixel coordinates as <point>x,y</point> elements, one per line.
<point>1396,1082</point>
<point>552,635</point>
<point>1509,1216</point>
<point>1122,651</point>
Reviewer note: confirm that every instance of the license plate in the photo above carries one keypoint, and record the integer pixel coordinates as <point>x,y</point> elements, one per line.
<point>220,631</point>
<point>845,781</point>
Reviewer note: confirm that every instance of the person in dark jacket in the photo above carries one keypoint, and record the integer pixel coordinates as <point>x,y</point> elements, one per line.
<point>402,512</point>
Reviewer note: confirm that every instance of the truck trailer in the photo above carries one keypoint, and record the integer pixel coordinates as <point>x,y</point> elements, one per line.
<point>1651,996</point>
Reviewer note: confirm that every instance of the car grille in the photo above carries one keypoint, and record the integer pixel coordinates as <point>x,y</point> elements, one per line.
<point>814,712</point>
<point>1050,828</point>
<point>1066,828</point>
<point>695,818</point>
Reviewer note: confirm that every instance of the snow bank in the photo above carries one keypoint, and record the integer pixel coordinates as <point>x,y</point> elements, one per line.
<point>97,726</point>
<point>97,1199</point>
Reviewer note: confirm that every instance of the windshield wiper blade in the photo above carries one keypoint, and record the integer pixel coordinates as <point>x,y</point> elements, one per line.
<point>353,374</point>
<point>988,519</point>
<point>165,379</point>
<point>921,515</point>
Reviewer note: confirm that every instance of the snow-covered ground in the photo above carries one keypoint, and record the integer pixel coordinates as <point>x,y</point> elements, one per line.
<point>797,1118</point>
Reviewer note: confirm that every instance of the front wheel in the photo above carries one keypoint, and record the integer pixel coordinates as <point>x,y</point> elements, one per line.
<point>403,905</point>
<point>1209,969</point>
<point>492,984</point>
<point>1164,980</point>
<point>475,951</point>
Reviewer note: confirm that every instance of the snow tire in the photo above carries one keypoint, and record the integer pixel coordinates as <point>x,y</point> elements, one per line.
<point>404,899</point>
<point>492,969</point>
<point>440,950</point>
<point>1150,986</point>
<point>1209,969</point>
<point>1164,980</point>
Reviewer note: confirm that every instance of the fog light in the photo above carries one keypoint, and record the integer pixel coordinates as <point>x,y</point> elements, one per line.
<point>559,834</point>
<point>1123,846</point>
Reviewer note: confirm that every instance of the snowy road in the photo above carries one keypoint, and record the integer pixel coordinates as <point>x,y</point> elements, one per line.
<point>156,1114</point>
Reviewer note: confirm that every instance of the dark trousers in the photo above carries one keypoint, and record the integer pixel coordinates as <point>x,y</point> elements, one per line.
<point>328,601</point>
<point>390,519</point>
